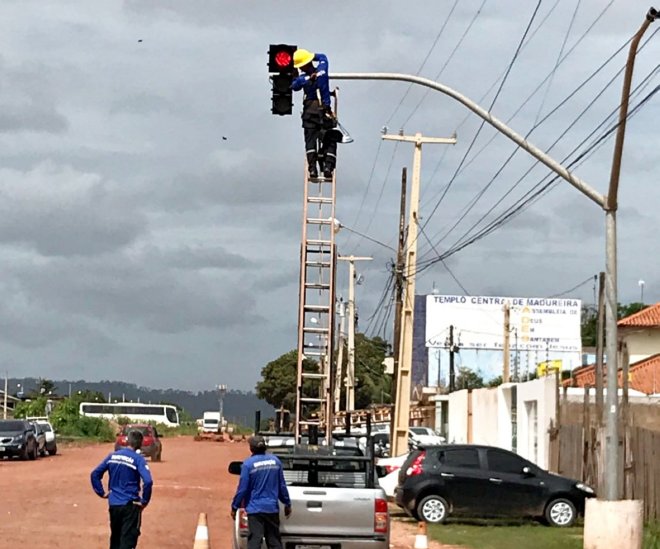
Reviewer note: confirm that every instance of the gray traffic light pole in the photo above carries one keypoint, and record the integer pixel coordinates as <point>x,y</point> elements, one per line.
<point>613,472</point>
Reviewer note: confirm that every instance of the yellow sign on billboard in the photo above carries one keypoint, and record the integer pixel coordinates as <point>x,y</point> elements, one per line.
<point>548,366</point>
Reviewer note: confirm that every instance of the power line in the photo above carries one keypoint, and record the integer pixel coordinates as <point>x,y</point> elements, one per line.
<point>529,97</point>
<point>444,264</point>
<point>428,55</point>
<point>451,56</point>
<point>479,194</point>
<point>367,237</point>
<point>483,122</point>
<point>466,210</point>
<point>538,189</point>
<point>380,144</point>
<point>561,51</point>
<point>577,286</point>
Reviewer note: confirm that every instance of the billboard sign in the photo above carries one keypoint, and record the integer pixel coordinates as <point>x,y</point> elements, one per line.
<point>536,324</point>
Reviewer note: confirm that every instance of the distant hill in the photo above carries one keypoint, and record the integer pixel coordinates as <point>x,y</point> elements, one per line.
<point>239,406</point>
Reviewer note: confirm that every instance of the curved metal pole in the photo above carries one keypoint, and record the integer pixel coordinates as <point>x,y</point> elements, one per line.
<point>537,153</point>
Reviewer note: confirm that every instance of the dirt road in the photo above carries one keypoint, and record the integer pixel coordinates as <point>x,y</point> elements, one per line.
<point>51,503</point>
<point>52,497</point>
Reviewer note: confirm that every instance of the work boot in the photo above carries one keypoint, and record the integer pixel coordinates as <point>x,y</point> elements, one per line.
<point>313,173</point>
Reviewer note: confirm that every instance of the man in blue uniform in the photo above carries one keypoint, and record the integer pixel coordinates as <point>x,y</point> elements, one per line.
<point>317,115</point>
<point>260,488</point>
<point>126,467</point>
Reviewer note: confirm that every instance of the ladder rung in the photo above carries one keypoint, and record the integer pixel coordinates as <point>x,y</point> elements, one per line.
<point>319,179</point>
<point>314,376</point>
<point>312,330</point>
<point>317,285</point>
<point>308,422</point>
<point>319,221</point>
<point>317,308</point>
<point>318,242</point>
<point>318,264</point>
<point>319,200</point>
<point>312,400</point>
<point>323,251</point>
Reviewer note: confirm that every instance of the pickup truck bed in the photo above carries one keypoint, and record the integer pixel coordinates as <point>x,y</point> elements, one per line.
<point>336,502</point>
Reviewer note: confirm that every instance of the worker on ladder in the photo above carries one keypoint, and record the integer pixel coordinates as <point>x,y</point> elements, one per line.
<point>317,115</point>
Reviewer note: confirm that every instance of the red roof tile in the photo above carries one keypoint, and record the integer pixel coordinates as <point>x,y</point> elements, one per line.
<point>644,375</point>
<point>649,317</point>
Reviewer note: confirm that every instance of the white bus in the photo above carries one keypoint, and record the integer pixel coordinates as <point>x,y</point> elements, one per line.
<point>135,411</point>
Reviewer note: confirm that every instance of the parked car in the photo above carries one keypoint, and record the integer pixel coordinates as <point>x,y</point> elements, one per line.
<point>484,481</point>
<point>17,438</point>
<point>151,445</point>
<point>388,473</point>
<point>51,439</point>
<point>40,435</point>
<point>423,436</point>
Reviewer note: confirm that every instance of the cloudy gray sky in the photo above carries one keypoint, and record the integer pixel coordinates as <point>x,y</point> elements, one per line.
<point>138,245</point>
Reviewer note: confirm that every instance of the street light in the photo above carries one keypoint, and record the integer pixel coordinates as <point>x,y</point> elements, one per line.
<point>222,391</point>
<point>608,203</point>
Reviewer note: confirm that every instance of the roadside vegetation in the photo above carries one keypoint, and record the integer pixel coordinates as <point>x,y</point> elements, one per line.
<point>70,425</point>
<point>496,535</point>
<point>487,534</point>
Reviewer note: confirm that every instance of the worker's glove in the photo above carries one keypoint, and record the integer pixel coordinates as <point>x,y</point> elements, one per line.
<point>327,112</point>
<point>287,512</point>
<point>233,514</point>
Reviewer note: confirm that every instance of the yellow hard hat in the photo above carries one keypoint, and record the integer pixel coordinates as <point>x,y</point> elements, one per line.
<point>302,57</point>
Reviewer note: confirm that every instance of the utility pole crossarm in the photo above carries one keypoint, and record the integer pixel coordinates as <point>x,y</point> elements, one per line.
<point>537,153</point>
<point>419,139</point>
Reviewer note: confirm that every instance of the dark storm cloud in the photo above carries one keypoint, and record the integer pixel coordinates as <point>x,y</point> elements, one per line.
<point>31,119</point>
<point>131,291</point>
<point>61,212</point>
<point>138,242</point>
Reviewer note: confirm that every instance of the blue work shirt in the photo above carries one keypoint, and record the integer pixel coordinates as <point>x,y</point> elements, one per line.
<point>321,83</point>
<point>261,485</point>
<point>126,468</point>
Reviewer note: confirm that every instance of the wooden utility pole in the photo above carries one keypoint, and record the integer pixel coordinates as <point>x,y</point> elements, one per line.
<point>340,357</point>
<point>398,292</point>
<point>452,369</point>
<point>4,414</point>
<point>507,343</point>
<point>600,341</point>
<point>350,367</point>
<point>399,437</point>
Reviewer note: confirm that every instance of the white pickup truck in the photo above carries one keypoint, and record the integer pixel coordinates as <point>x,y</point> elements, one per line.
<point>336,500</point>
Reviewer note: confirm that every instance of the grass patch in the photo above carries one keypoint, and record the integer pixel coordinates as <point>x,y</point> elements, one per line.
<point>504,535</point>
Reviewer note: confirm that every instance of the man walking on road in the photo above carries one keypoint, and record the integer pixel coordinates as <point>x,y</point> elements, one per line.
<point>126,468</point>
<point>260,488</point>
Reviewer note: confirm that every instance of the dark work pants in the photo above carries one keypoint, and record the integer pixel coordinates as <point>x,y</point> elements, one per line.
<point>264,525</point>
<point>320,146</point>
<point>125,526</point>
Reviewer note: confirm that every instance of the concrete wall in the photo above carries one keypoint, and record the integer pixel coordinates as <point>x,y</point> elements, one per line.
<point>536,409</point>
<point>490,412</point>
<point>458,417</point>
<point>484,421</point>
<point>642,343</point>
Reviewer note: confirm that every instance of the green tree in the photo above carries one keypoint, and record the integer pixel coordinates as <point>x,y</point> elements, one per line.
<point>278,383</point>
<point>467,379</point>
<point>372,385</point>
<point>589,326</point>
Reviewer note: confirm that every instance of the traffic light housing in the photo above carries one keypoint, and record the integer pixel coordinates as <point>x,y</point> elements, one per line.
<point>280,65</point>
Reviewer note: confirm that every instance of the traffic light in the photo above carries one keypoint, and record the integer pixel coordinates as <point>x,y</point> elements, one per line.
<point>280,62</point>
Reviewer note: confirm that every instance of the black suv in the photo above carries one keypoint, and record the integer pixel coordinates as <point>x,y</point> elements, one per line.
<point>17,438</point>
<point>484,481</point>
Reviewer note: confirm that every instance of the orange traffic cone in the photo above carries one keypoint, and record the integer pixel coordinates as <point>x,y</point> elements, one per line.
<point>421,539</point>
<point>202,533</point>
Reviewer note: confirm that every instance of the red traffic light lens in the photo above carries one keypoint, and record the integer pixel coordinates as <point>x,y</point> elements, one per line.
<point>283,59</point>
